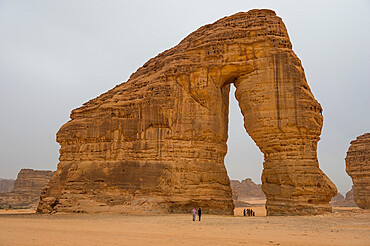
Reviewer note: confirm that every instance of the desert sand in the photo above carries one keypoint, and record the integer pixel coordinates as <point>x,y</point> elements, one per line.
<point>345,226</point>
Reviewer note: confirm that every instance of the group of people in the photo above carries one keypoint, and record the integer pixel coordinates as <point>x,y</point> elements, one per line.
<point>194,213</point>
<point>248,212</point>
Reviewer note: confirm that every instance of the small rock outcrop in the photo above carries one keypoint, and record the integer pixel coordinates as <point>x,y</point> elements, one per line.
<point>6,185</point>
<point>157,142</point>
<point>27,189</point>
<point>358,168</point>
<point>246,189</point>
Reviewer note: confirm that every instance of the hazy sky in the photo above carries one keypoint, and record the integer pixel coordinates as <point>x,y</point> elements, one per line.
<point>56,55</point>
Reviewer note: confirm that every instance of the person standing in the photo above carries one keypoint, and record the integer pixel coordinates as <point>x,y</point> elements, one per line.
<point>193,212</point>
<point>199,213</point>
<point>244,213</point>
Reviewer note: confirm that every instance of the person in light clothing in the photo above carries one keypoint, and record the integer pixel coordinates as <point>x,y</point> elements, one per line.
<point>194,212</point>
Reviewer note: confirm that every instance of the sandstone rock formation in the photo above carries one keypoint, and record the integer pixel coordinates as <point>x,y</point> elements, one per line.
<point>358,167</point>
<point>27,189</point>
<point>246,189</point>
<point>337,199</point>
<point>157,142</point>
<point>349,201</point>
<point>6,185</point>
<point>340,201</point>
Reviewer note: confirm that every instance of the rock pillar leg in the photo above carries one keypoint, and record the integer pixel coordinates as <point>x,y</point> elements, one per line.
<point>284,119</point>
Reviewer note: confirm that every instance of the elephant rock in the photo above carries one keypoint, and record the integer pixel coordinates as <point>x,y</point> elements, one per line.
<point>156,143</point>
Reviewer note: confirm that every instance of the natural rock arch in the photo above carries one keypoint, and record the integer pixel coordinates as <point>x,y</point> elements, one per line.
<point>157,142</point>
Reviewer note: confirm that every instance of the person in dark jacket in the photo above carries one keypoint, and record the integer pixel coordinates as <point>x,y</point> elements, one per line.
<point>199,213</point>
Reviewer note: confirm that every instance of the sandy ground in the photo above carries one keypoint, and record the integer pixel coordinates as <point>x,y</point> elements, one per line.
<point>345,226</point>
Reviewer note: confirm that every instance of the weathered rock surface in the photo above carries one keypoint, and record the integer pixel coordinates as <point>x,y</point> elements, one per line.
<point>246,189</point>
<point>6,185</point>
<point>157,142</point>
<point>27,189</point>
<point>358,168</point>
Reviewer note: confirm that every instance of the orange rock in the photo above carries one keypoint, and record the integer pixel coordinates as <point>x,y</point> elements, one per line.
<point>358,167</point>
<point>27,189</point>
<point>157,142</point>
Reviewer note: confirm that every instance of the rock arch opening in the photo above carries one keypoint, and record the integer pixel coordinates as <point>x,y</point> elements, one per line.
<point>157,143</point>
<point>243,158</point>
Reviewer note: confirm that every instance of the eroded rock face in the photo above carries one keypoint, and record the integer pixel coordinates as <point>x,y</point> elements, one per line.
<point>27,189</point>
<point>246,189</point>
<point>6,185</point>
<point>157,142</point>
<point>358,167</point>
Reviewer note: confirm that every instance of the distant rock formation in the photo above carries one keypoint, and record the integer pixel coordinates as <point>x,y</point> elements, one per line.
<point>156,143</point>
<point>6,185</point>
<point>349,201</point>
<point>27,189</point>
<point>246,190</point>
<point>340,201</point>
<point>239,204</point>
<point>358,167</point>
<point>338,198</point>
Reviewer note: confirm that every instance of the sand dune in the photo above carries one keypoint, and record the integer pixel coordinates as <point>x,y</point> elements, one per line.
<point>343,227</point>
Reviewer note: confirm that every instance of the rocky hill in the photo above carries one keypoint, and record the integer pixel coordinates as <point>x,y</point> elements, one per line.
<point>27,189</point>
<point>340,201</point>
<point>6,185</point>
<point>246,190</point>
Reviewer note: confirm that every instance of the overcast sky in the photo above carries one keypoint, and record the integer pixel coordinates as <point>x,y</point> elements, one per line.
<point>56,55</point>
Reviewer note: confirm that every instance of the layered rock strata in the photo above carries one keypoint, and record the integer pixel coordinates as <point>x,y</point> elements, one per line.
<point>358,167</point>
<point>27,189</point>
<point>6,185</point>
<point>157,142</point>
<point>246,189</point>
